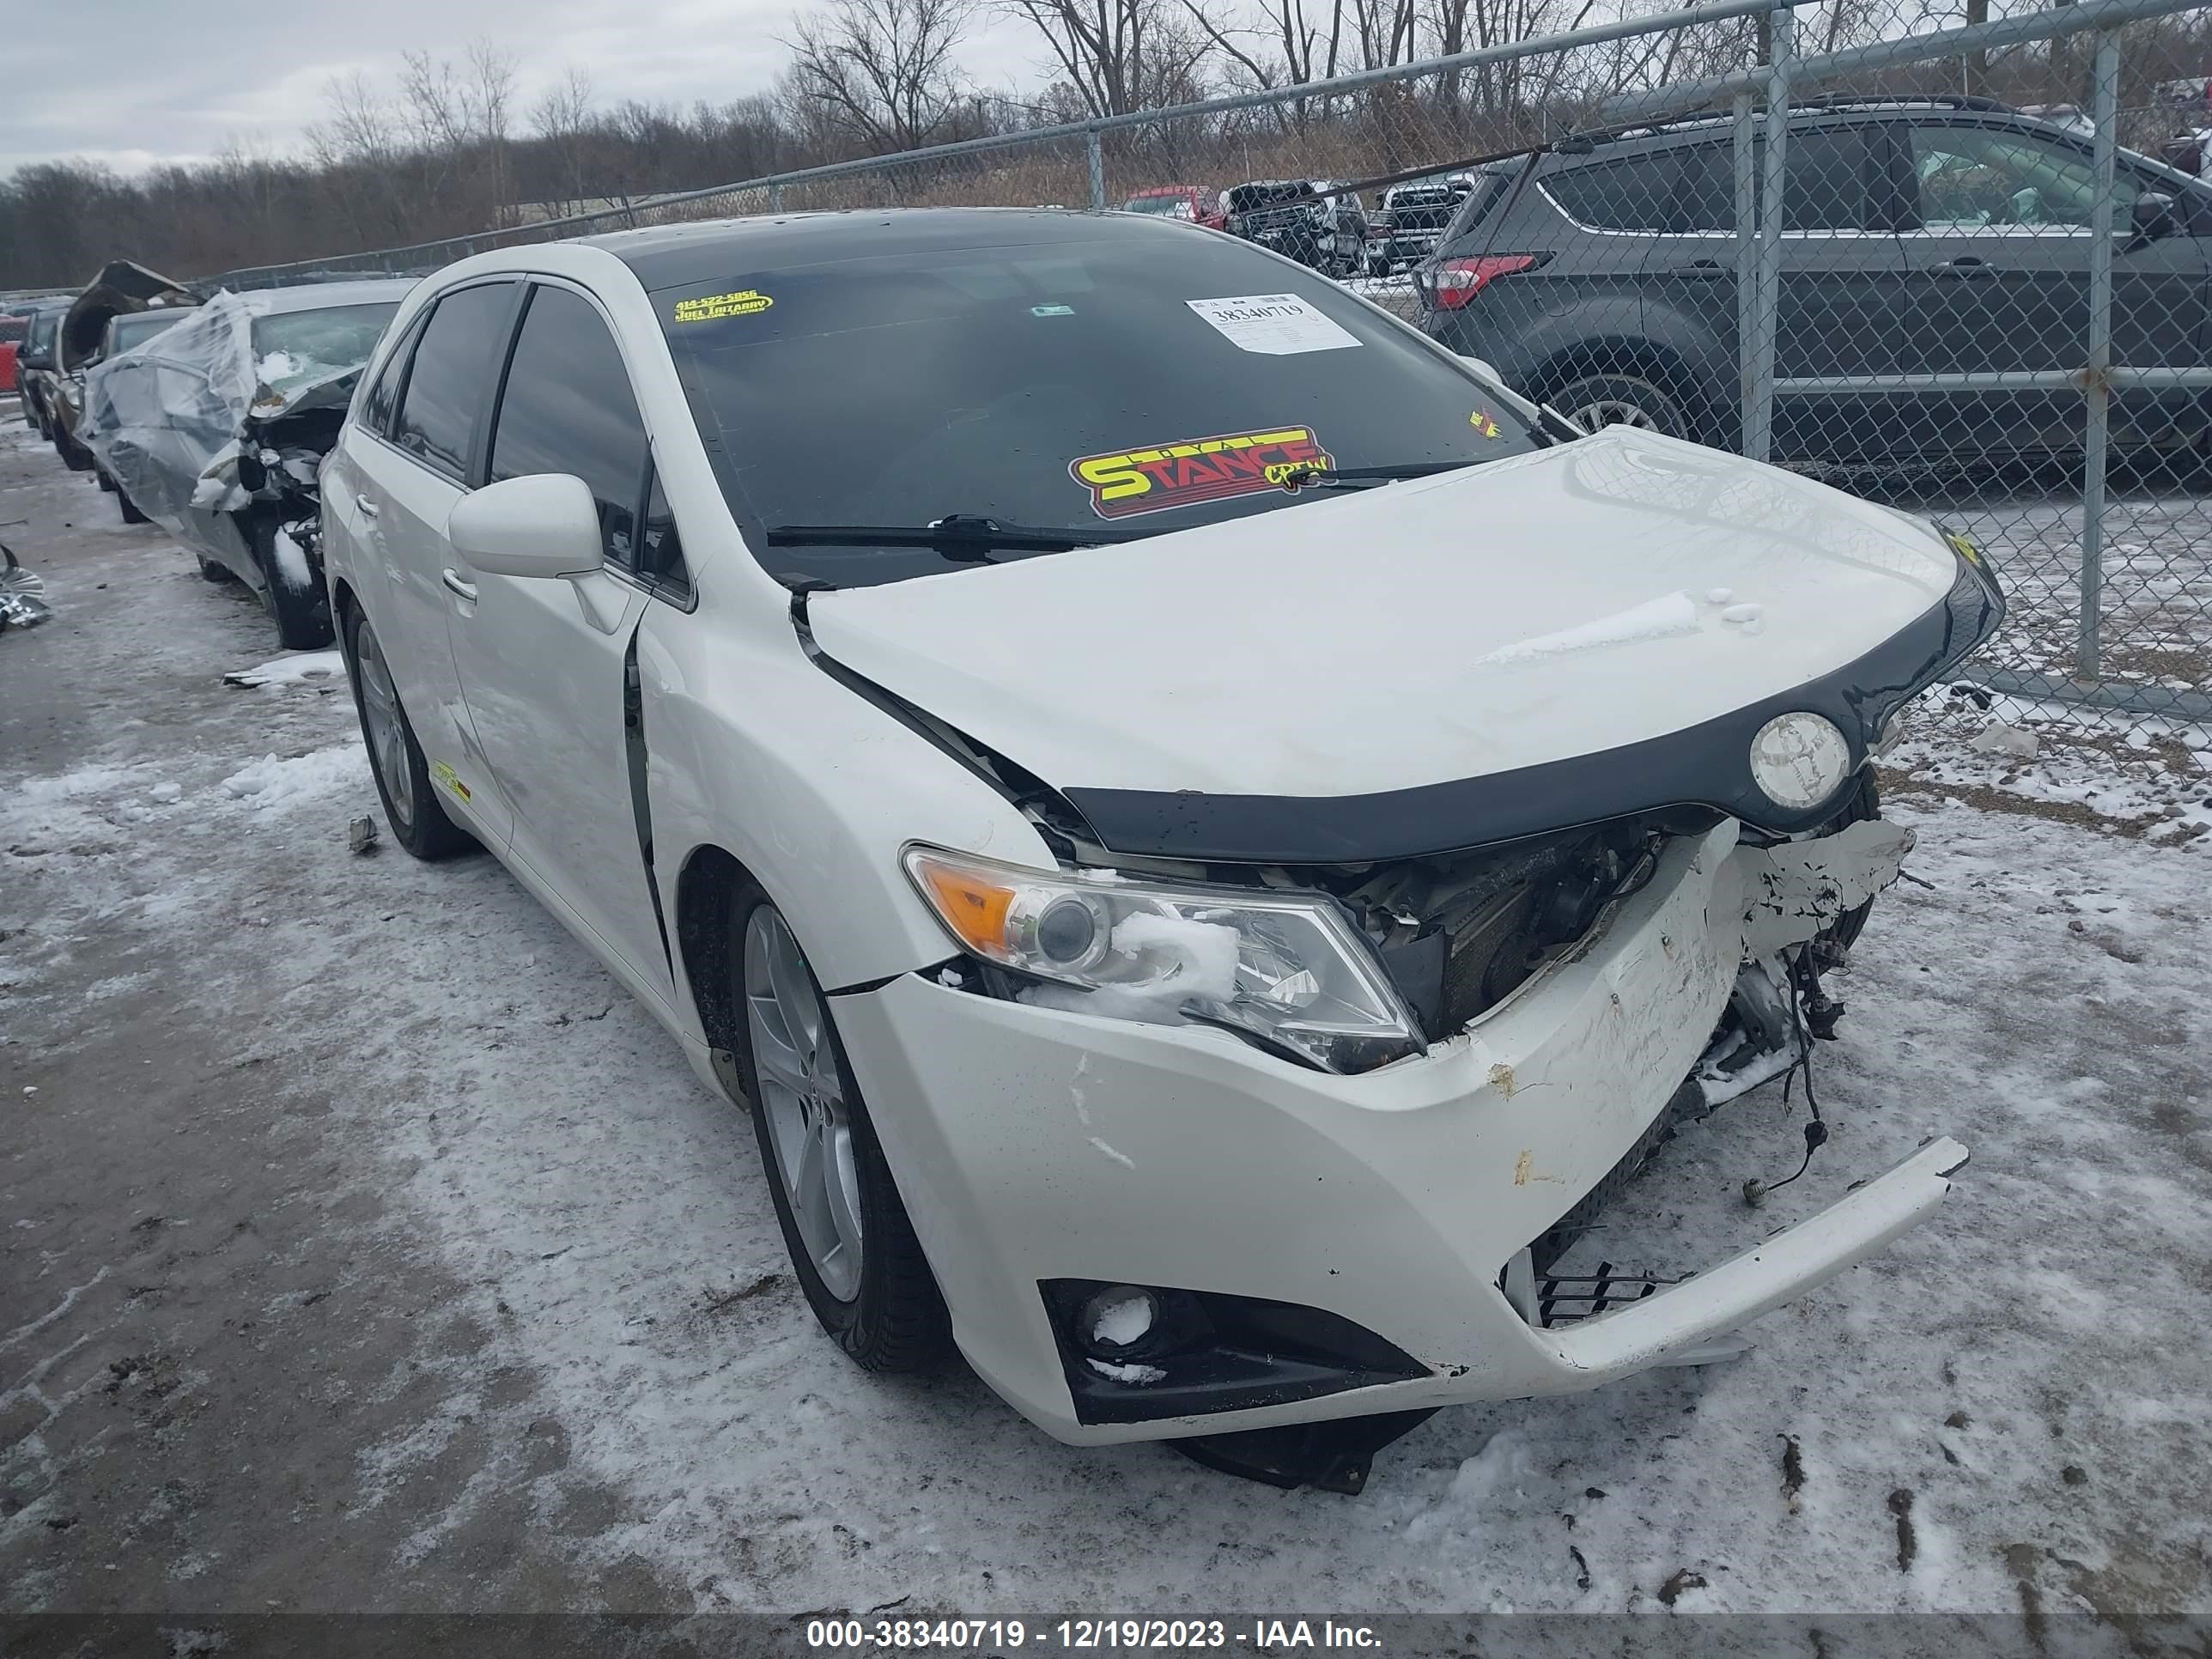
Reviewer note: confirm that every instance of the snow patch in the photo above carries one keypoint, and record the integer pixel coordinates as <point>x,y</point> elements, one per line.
<point>1192,960</point>
<point>1655,619</point>
<point>273,783</point>
<point>1130,1373</point>
<point>292,568</point>
<point>1122,1320</point>
<point>304,668</point>
<point>1196,958</point>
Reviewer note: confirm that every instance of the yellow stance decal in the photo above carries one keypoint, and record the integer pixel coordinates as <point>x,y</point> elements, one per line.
<point>1126,482</point>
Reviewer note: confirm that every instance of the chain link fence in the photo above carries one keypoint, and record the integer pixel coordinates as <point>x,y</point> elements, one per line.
<point>1956,266</point>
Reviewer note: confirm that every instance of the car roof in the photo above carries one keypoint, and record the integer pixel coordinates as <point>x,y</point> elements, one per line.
<point>325,296</point>
<point>679,255</point>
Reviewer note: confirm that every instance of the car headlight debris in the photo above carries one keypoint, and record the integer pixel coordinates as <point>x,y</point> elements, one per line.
<point>1287,968</point>
<point>1800,759</point>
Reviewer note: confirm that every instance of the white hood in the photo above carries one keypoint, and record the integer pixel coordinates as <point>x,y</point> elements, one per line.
<point>1576,599</point>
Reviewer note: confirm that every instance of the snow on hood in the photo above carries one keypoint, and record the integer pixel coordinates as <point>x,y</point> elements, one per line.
<point>1595,594</point>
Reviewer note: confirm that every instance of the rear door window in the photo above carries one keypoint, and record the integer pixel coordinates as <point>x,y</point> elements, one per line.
<point>450,381</point>
<point>1825,181</point>
<point>569,408</point>
<point>1825,184</point>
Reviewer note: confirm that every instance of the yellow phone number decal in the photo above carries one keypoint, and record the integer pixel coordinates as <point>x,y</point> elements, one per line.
<point>708,306</point>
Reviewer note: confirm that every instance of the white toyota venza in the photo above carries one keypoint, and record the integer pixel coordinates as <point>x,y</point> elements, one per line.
<point>1212,837</point>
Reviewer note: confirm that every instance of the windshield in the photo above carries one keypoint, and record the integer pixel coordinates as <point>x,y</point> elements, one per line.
<point>301,345</point>
<point>1142,380</point>
<point>136,328</point>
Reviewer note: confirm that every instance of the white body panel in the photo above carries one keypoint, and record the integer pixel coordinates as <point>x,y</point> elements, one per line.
<point>1256,656</point>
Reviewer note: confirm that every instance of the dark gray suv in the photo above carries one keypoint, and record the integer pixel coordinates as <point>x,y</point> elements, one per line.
<point>1923,237</point>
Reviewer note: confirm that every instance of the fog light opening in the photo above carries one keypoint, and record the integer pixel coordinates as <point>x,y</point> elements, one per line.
<point>1115,1322</point>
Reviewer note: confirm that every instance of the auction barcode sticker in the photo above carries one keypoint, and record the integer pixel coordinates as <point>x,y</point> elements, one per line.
<point>1273,324</point>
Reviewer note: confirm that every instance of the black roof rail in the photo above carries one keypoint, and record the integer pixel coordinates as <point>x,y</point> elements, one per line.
<point>1581,143</point>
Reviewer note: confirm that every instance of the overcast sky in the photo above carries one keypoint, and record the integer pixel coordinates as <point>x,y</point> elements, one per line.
<point>134,81</point>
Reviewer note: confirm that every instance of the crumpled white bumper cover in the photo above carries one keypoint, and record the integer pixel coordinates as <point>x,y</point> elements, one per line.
<point>1033,1144</point>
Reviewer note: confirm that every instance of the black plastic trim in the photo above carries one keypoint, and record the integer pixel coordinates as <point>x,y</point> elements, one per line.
<point>1218,1352</point>
<point>1704,765</point>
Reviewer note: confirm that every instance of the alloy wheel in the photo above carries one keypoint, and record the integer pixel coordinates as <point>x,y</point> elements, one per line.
<point>803,1097</point>
<point>387,735</point>
<point>1614,411</point>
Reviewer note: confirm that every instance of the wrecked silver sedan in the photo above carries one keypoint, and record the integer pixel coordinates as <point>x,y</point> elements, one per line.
<point>216,430</point>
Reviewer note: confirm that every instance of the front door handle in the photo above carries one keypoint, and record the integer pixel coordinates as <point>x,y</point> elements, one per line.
<point>455,586</point>
<point>1701,268</point>
<point>367,506</point>
<point>1966,265</point>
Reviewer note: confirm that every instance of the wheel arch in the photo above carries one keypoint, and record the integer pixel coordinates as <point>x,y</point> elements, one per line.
<point>1635,354</point>
<point>705,884</point>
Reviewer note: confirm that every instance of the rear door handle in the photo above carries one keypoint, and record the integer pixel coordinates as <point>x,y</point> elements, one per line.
<point>1966,265</point>
<point>456,586</point>
<point>367,506</point>
<point>1700,268</point>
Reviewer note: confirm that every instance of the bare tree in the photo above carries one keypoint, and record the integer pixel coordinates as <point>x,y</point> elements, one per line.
<point>1113,53</point>
<point>561,117</point>
<point>489,99</point>
<point>880,71</point>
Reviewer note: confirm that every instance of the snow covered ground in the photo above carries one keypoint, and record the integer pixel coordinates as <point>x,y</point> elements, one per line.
<point>2011,1406</point>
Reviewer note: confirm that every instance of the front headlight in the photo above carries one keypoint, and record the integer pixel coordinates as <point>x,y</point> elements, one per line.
<point>1289,969</point>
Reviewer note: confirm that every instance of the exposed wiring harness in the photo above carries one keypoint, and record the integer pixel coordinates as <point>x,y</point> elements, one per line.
<point>1804,990</point>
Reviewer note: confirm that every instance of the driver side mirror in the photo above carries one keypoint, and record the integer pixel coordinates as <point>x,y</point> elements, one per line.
<point>2154,216</point>
<point>544,524</point>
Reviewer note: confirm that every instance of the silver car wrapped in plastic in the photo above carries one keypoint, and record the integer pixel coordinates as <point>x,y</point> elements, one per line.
<point>216,430</point>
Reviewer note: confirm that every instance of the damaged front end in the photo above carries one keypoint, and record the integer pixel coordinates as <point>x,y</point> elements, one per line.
<point>269,476</point>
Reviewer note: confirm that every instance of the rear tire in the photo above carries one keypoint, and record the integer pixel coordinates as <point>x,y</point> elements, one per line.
<point>411,806</point>
<point>1593,402</point>
<point>106,482</point>
<point>130,512</point>
<point>303,614</point>
<point>74,456</point>
<point>884,1310</point>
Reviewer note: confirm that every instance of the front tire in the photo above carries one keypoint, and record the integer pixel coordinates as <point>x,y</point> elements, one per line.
<point>1594,402</point>
<point>846,1228</point>
<point>130,512</point>
<point>418,821</point>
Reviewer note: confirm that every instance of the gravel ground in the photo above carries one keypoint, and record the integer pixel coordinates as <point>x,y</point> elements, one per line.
<point>367,1249</point>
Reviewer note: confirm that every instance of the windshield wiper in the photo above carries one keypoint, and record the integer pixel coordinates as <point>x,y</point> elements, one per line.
<point>1352,477</point>
<point>956,536</point>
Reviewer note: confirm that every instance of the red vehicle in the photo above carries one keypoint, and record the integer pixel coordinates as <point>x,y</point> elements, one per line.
<point>12,330</point>
<point>1192,201</point>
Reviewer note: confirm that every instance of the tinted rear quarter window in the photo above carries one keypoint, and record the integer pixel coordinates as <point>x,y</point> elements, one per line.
<point>384,395</point>
<point>569,408</point>
<point>450,381</point>
<point>1631,194</point>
